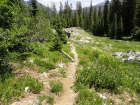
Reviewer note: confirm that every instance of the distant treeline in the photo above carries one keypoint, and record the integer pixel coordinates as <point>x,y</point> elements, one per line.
<point>119,18</point>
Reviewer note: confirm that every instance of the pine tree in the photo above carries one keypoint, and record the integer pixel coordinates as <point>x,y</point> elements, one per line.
<point>61,9</point>
<point>86,19</point>
<point>81,21</point>
<point>59,30</point>
<point>53,10</point>
<point>90,22</point>
<point>99,12</point>
<point>120,29</point>
<point>76,19</point>
<point>138,14</point>
<point>57,44</point>
<point>79,7</point>
<point>91,9</point>
<point>95,24</point>
<point>34,7</point>
<point>106,17</point>
<point>129,9</point>
<point>115,8</point>
<point>68,13</point>
<point>95,15</point>
<point>113,28</point>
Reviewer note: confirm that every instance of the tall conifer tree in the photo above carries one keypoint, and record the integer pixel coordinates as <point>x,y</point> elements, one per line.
<point>106,17</point>
<point>129,9</point>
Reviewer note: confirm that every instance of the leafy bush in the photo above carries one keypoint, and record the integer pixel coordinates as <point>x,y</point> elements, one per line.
<point>5,67</point>
<point>88,97</point>
<point>39,49</point>
<point>56,86</point>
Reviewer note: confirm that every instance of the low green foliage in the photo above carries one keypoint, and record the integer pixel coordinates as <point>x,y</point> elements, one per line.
<point>88,97</point>
<point>100,71</point>
<point>13,88</point>
<point>5,67</point>
<point>42,50</point>
<point>46,65</point>
<point>63,72</point>
<point>56,86</point>
<point>67,49</point>
<point>34,85</point>
<point>50,99</point>
<point>107,72</point>
<point>42,69</point>
<point>42,98</point>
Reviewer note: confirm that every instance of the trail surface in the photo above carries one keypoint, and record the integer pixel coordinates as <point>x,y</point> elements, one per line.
<point>68,95</point>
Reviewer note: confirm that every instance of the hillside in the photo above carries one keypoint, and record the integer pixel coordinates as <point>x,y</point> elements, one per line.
<point>93,56</point>
<point>66,58</point>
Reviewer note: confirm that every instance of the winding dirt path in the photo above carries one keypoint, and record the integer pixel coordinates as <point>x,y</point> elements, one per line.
<point>68,95</point>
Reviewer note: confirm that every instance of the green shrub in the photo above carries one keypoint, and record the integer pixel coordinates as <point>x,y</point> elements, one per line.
<point>56,86</point>
<point>39,49</point>
<point>5,67</point>
<point>88,97</point>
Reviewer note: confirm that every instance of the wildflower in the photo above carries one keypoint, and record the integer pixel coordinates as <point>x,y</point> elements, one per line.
<point>83,59</point>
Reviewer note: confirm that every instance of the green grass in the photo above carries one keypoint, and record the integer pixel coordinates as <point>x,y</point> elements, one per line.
<point>13,88</point>
<point>50,99</point>
<point>44,59</point>
<point>67,49</point>
<point>62,72</point>
<point>46,65</point>
<point>99,70</point>
<point>42,97</point>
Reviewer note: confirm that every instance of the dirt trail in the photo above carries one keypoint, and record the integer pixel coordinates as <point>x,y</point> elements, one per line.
<point>68,95</point>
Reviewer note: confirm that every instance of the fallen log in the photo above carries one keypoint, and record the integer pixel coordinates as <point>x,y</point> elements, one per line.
<point>68,56</point>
